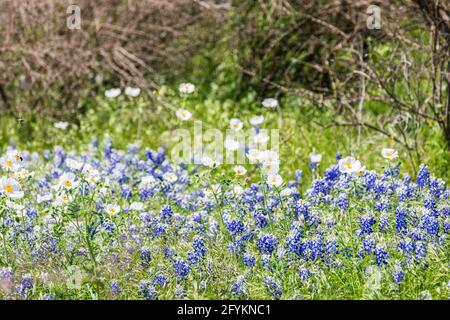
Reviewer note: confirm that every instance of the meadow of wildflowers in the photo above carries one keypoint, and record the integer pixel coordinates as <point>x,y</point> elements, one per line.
<point>106,223</point>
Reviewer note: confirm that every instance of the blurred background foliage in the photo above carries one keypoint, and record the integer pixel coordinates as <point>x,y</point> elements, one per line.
<point>342,86</point>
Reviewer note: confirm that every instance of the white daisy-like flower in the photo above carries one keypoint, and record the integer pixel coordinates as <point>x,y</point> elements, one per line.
<point>231,144</point>
<point>147,180</point>
<point>209,162</point>
<point>113,93</point>
<point>9,163</point>
<point>274,180</point>
<point>269,156</point>
<point>238,190</point>
<point>63,125</point>
<point>183,115</point>
<point>112,209</point>
<point>170,176</point>
<point>254,155</point>
<point>14,206</point>
<point>11,188</point>
<point>271,167</point>
<point>389,154</point>
<point>186,88</point>
<point>349,165</point>
<point>137,206</point>
<point>288,192</point>
<point>44,198</point>
<point>132,92</point>
<point>236,124</point>
<point>240,170</point>
<point>74,164</point>
<point>270,103</point>
<point>22,174</point>
<point>67,181</point>
<point>62,200</point>
<point>260,138</point>
<point>315,157</point>
<point>256,120</point>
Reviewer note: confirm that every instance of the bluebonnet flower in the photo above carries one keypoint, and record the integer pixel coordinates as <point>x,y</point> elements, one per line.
<point>235,226</point>
<point>114,287</point>
<point>267,243</point>
<point>25,285</point>
<point>166,213</point>
<point>160,280</point>
<point>50,296</point>
<point>147,290</point>
<point>298,175</point>
<point>239,287</point>
<point>420,251</point>
<point>145,256</point>
<point>248,260</point>
<point>273,287</point>
<point>381,255</point>
<point>304,273</point>
<point>423,176</point>
<point>342,201</point>
<point>400,220</point>
<point>398,275</point>
<point>126,192</point>
<point>366,223</point>
<point>181,268</point>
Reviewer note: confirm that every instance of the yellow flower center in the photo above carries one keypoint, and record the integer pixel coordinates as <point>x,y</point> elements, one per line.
<point>65,198</point>
<point>348,165</point>
<point>8,189</point>
<point>67,184</point>
<point>9,163</point>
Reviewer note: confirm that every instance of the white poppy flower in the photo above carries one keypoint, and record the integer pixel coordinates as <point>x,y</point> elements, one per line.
<point>240,170</point>
<point>137,206</point>
<point>183,115</point>
<point>186,88</point>
<point>67,181</point>
<point>209,162</point>
<point>62,199</point>
<point>14,206</point>
<point>269,156</point>
<point>260,138</point>
<point>238,190</point>
<point>44,198</point>
<point>236,124</point>
<point>112,209</point>
<point>274,180</point>
<point>74,164</point>
<point>132,92</point>
<point>61,125</point>
<point>9,163</point>
<point>146,180</point>
<point>113,93</point>
<point>253,155</point>
<point>170,176</point>
<point>349,165</point>
<point>271,167</point>
<point>256,120</point>
<point>10,188</point>
<point>288,192</point>
<point>270,103</point>
<point>231,144</point>
<point>315,157</point>
<point>389,154</point>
